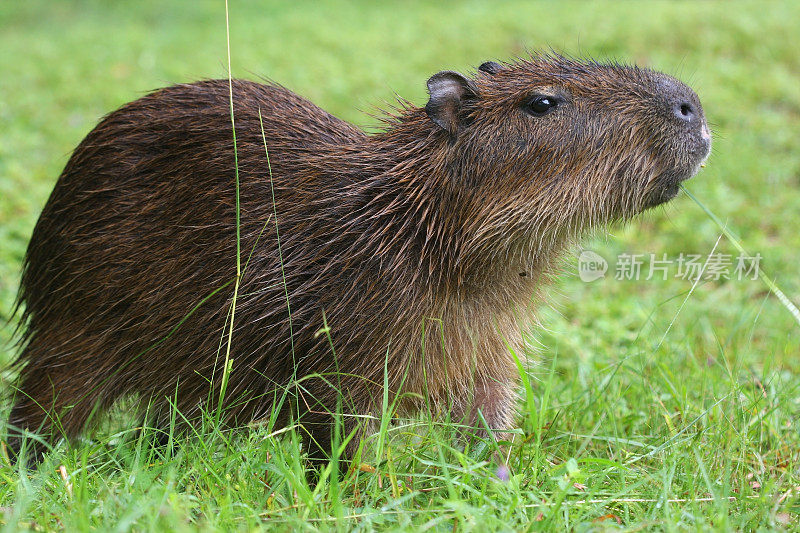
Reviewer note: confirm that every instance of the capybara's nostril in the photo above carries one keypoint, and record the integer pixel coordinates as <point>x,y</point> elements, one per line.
<point>684,111</point>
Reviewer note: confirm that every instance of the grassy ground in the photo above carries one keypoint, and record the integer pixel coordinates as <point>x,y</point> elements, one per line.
<point>654,406</point>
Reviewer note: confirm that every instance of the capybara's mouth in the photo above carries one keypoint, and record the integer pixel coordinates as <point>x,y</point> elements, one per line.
<point>667,184</point>
<point>665,187</point>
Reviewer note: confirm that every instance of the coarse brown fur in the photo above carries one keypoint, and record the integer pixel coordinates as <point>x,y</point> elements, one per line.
<point>420,246</point>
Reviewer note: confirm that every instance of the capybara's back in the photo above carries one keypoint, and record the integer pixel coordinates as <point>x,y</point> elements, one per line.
<point>400,260</point>
<point>129,273</point>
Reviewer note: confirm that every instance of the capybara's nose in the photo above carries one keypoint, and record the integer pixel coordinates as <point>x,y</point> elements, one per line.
<point>681,101</point>
<point>685,111</point>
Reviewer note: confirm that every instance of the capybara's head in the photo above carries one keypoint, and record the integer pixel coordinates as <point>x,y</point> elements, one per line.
<point>558,144</point>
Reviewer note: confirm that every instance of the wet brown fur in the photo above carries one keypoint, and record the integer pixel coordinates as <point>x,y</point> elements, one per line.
<point>423,248</point>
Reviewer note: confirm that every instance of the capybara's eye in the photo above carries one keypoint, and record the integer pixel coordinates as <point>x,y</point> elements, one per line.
<point>540,105</point>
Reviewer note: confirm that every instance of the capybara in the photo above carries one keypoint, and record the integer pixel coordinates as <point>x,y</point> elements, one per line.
<point>401,261</point>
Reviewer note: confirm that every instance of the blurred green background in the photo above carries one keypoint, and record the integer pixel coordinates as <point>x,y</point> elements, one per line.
<point>65,64</point>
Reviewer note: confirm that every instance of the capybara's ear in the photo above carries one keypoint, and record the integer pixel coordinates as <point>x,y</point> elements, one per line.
<point>490,67</point>
<point>448,90</point>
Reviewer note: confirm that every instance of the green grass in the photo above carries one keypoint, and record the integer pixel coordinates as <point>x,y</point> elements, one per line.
<point>651,405</point>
